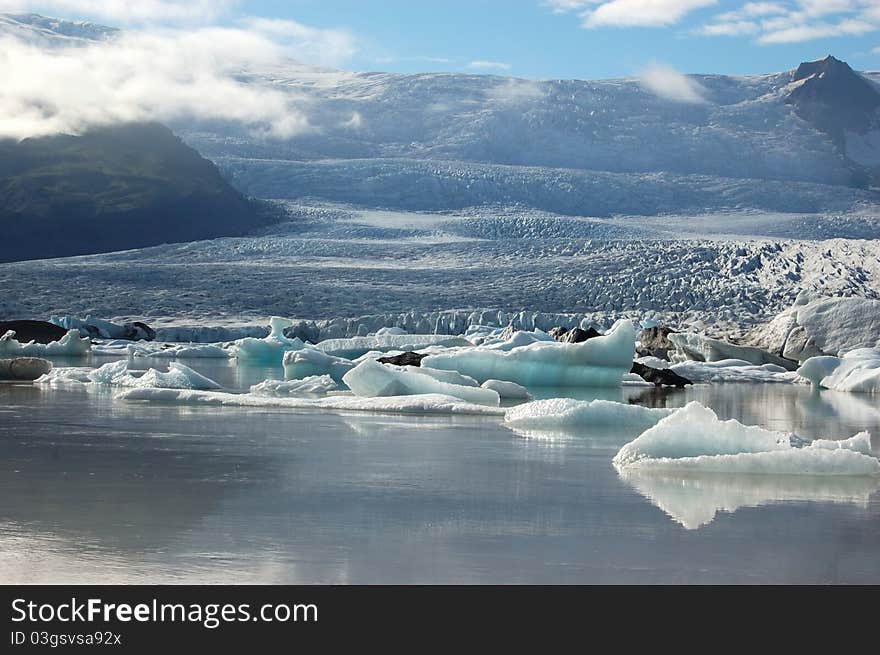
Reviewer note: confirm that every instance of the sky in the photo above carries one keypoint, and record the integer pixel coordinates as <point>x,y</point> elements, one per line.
<point>581,39</point>
<point>177,59</point>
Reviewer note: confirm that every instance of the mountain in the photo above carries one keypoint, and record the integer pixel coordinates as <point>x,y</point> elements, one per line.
<point>53,32</point>
<point>112,188</point>
<point>802,140</point>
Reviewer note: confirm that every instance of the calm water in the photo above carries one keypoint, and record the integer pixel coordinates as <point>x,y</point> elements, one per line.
<point>97,490</point>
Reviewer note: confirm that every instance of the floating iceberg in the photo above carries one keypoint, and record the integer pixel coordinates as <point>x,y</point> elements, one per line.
<point>308,362</point>
<point>732,370</point>
<point>598,362</point>
<point>24,368</point>
<point>269,350</point>
<point>693,500</point>
<point>419,404</point>
<point>823,326</point>
<point>356,346</point>
<point>509,390</point>
<point>857,371</point>
<point>70,345</point>
<point>567,414</point>
<point>694,439</point>
<point>314,384</point>
<point>518,340</point>
<point>66,376</point>
<point>372,379</point>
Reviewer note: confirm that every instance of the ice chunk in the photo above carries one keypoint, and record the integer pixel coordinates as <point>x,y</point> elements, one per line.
<point>372,379</point>
<point>66,376</point>
<point>857,371</point>
<point>694,499</point>
<point>510,390</point>
<point>178,377</point>
<point>705,349</point>
<point>598,362</point>
<point>308,362</point>
<point>815,369</point>
<point>420,404</point>
<point>24,368</point>
<point>313,384</point>
<point>70,345</point>
<point>357,346</point>
<point>389,330</point>
<point>518,340</point>
<point>733,370</point>
<point>451,377</point>
<point>694,439</point>
<point>566,413</point>
<point>271,349</point>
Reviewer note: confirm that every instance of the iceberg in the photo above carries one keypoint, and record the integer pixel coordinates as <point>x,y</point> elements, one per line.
<point>823,326</point>
<point>419,404</point>
<point>356,346</point>
<point>567,414</point>
<point>66,376</point>
<point>372,379</point>
<point>599,362</point>
<point>857,371</point>
<point>70,345</point>
<point>120,374</point>
<point>24,368</point>
<point>733,370</point>
<point>509,390</point>
<point>269,350</point>
<point>705,349</point>
<point>693,439</point>
<point>314,384</point>
<point>309,362</point>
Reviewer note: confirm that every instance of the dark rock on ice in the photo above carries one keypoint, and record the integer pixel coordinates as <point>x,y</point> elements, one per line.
<point>659,377</point>
<point>404,359</point>
<point>39,331</point>
<point>655,342</point>
<point>24,368</point>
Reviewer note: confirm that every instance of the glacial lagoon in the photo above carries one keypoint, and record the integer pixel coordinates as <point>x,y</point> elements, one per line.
<point>94,489</point>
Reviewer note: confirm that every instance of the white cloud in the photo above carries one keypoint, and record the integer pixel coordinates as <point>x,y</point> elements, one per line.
<point>489,65</point>
<point>797,20</point>
<point>641,13</point>
<point>667,83</point>
<point>159,72</point>
<point>141,76</point>
<point>125,12</point>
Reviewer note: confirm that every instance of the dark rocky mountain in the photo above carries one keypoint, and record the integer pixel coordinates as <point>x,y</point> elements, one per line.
<point>113,188</point>
<point>834,98</point>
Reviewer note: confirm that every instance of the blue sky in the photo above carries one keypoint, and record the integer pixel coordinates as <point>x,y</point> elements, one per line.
<point>531,38</point>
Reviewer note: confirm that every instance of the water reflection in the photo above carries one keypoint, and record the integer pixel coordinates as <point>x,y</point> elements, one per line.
<point>694,500</point>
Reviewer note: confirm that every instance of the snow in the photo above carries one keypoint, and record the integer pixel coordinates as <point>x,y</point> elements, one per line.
<point>601,361</point>
<point>357,346</point>
<point>693,439</point>
<point>857,371</point>
<point>70,345</point>
<point>313,384</point>
<point>508,390</point>
<point>308,362</point>
<point>418,404</point>
<point>371,379</point>
<point>568,414</point>
<point>271,349</point>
